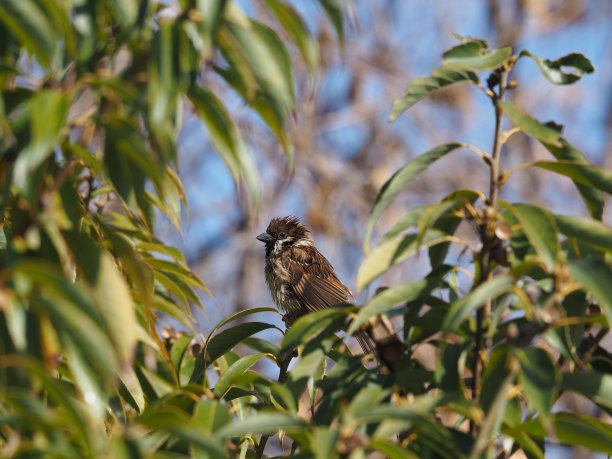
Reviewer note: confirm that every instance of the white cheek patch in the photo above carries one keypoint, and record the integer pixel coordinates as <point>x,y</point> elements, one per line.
<point>278,245</point>
<point>304,243</point>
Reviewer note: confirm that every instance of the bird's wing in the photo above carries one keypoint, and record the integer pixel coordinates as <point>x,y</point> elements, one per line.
<point>314,281</point>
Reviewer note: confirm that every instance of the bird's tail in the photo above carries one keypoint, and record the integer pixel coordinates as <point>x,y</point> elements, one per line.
<point>367,344</point>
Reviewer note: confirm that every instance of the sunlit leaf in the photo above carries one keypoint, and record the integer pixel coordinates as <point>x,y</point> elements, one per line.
<point>586,174</point>
<point>400,180</point>
<point>538,378</point>
<point>538,226</point>
<point>588,230</point>
<point>32,24</point>
<point>387,299</point>
<point>226,138</point>
<point>576,65</point>
<point>473,56</point>
<point>262,422</point>
<point>593,385</point>
<point>228,338</point>
<point>422,86</point>
<point>595,275</point>
<point>592,197</point>
<point>48,110</point>
<point>394,251</point>
<point>530,125</point>
<point>334,12</point>
<point>211,414</point>
<point>462,308</point>
<point>295,27</point>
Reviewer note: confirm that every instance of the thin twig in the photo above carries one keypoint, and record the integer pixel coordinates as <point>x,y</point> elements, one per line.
<point>487,229</point>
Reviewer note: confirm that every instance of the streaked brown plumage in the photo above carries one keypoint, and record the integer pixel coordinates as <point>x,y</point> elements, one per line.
<point>299,277</point>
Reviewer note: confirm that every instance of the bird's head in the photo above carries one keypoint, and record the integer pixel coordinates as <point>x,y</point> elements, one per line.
<point>284,232</point>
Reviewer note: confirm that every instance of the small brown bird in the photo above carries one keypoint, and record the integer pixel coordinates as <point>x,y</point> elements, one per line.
<point>300,279</point>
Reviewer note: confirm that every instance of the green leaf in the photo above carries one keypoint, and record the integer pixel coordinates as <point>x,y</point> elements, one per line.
<point>400,180</point>
<point>538,378</point>
<point>473,56</point>
<point>211,414</point>
<point>48,111</point>
<point>530,126</point>
<point>125,11</point>
<point>497,382</point>
<point>116,305</point>
<point>393,296</point>
<point>174,422</point>
<point>227,339</point>
<point>262,422</point>
<point>295,27</point>
<point>394,251</point>
<point>323,442</point>
<point>595,275</point>
<point>587,230</point>
<point>260,48</point>
<point>575,429</point>
<point>592,197</point>
<point>592,384</point>
<point>423,86</point>
<point>236,370</point>
<point>33,26</point>
<point>586,174</point>
<point>538,225</point>
<point>448,222</point>
<point>334,13</point>
<point>226,138</point>
<point>577,63</point>
<point>310,324</point>
<point>466,305</point>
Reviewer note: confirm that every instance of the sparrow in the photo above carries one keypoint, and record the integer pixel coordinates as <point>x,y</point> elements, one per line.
<point>299,277</point>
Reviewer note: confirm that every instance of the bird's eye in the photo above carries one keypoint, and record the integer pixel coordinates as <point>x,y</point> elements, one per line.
<point>282,235</point>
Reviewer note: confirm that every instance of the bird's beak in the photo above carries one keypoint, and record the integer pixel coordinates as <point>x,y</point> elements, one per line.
<point>265,238</point>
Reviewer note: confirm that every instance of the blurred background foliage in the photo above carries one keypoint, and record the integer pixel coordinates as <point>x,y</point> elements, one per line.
<point>145,143</point>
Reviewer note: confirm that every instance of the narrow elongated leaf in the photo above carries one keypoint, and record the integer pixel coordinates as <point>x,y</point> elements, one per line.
<point>575,429</point>
<point>262,422</point>
<point>538,226</point>
<point>310,324</point>
<point>226,138</point>
<point>592,384</point>
<point>393,296</point>
<point>422,86</point>
<point>230,337</point>
<point>334,12</point>
<point>117,307</point>
<point>530,125</point>
<point>595,275</point>
<point>473,56</point>
<point>400,180</point>
<point>591,196</point>
<point>323,442</point>
<point>176,423</point>
<point>448,222</point>
<point>234,371</point>
<point>539,379</point>
<point>554,72</point>
<point>48,110</point>
<point>587,230</point>
<point>211,414</point>
<point>461,309</point>
<point>125,11</point>
<point>586,174</point>
<point>295,27</point>
<point>32,25</point>
<point>394,251</point>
